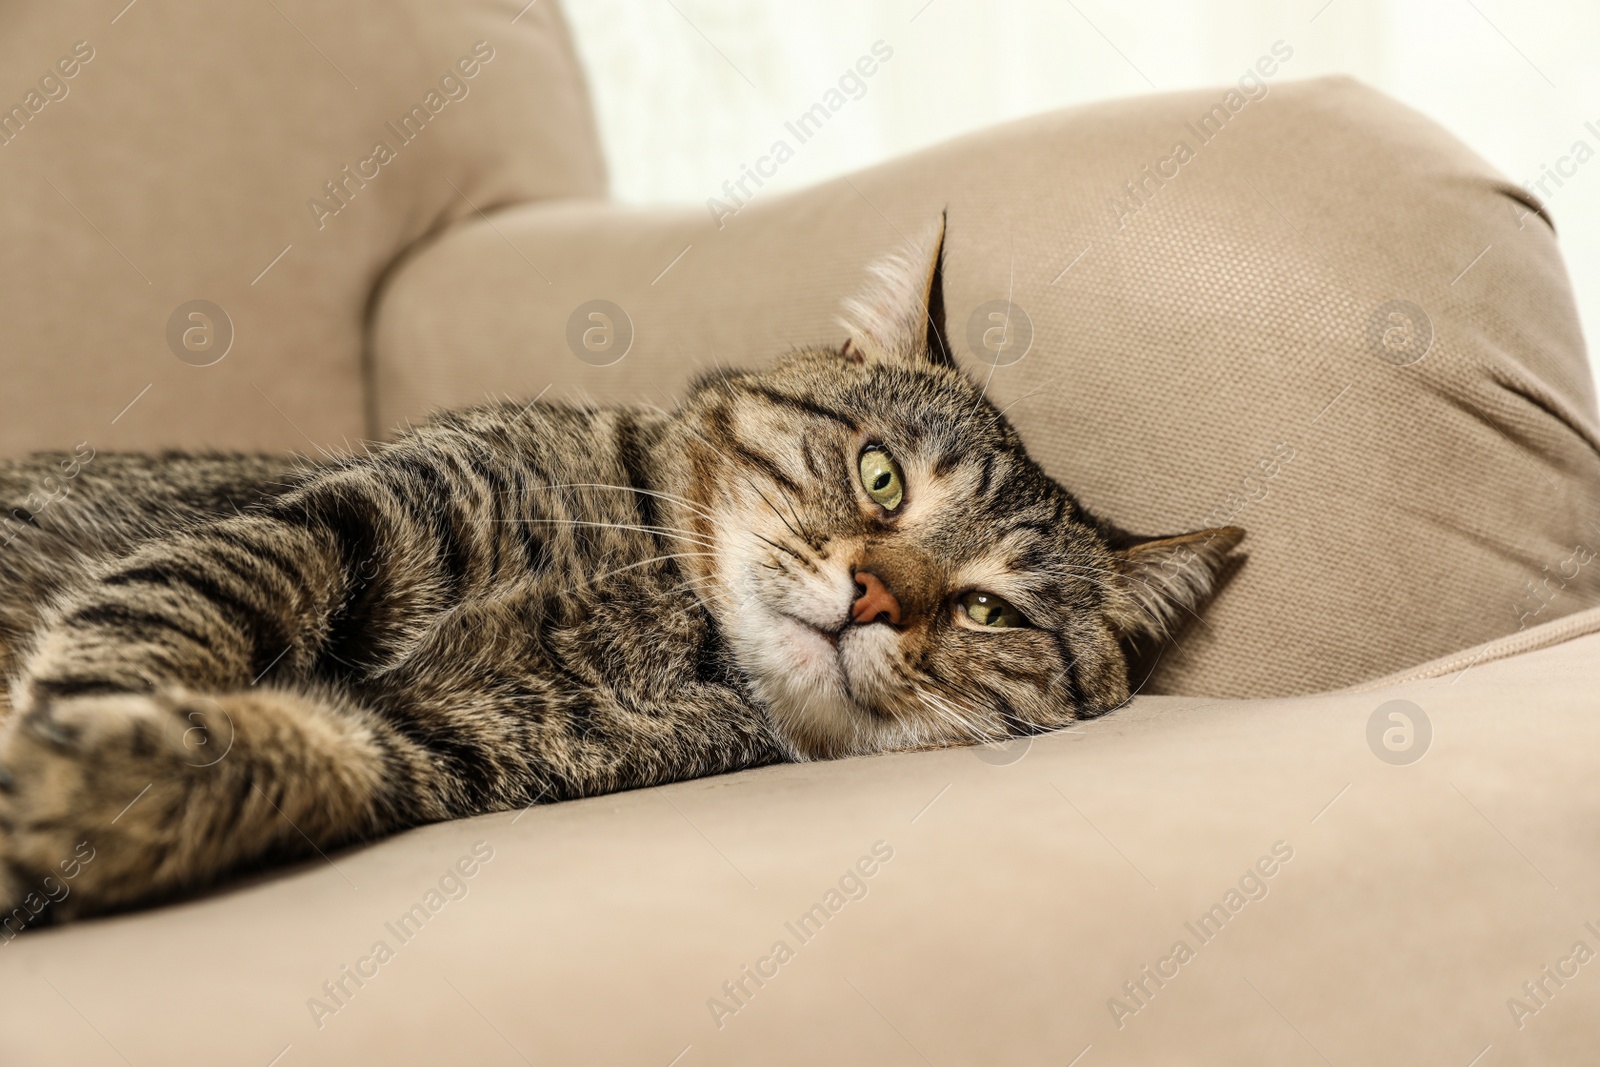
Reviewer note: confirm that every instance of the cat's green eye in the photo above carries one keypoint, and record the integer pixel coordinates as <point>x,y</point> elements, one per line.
<point>880,477</point>
<point>986,609</point>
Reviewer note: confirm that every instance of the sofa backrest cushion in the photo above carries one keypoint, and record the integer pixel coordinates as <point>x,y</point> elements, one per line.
<point>1297,307</point>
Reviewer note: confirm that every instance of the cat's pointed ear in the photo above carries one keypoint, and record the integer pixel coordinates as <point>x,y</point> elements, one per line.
<point>900,317</point>
<point>1159,580</point>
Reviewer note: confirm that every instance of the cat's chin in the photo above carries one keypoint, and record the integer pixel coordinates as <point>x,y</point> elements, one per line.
<point>800,675</point>
<point>813,650</point>
<point>819,686</point>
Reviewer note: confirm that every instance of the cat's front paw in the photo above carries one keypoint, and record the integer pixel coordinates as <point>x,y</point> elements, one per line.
<point>92,791</point>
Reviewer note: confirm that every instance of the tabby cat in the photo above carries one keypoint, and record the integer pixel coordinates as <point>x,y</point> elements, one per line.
<point>217,662</point>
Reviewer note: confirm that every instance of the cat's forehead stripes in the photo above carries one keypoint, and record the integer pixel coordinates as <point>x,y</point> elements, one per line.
<point>799,404</point>
<point>970,492</point>
<point>932,499</point>
<point>988,495</point>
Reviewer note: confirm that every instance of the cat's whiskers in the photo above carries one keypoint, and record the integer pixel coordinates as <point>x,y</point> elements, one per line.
<point>591,579</point>
<point>804,533</point>
<point>986,727</point>
<point>964,729</point>
<point>774,508</point>
<point>782,548</point>
<point>604,485</point>
<point>696,583</point>
<point>939,714</point>
<point>686,535</point>
<point>670,497</point>
<point>953,709</point>
<point>948,695</point>
<point>807,536</point>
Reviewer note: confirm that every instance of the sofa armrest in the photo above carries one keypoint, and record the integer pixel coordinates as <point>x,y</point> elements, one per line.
<point>230,154</point>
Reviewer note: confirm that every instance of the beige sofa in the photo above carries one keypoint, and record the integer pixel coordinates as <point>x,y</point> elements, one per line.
<point>1324,320</point>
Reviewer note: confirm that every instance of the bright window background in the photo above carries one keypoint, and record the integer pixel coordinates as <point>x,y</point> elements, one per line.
<point>689,91</point>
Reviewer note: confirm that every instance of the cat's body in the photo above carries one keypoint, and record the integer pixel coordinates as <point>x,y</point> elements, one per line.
<point>219,661</point>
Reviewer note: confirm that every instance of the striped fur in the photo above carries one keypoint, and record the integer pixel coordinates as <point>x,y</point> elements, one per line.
<point>217,662</point>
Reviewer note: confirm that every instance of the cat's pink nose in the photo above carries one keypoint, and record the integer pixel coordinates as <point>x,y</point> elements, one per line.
<point>875,602</point>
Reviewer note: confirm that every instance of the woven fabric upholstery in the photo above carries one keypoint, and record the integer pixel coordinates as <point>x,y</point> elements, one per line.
<point>180,162</point>
<point>1237,342</point>
<point>1027,886</point>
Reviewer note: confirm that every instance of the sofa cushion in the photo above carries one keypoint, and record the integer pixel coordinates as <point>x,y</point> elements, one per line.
<point>1329,323</point>
<point>1382,901</point>
<point>173,152</point>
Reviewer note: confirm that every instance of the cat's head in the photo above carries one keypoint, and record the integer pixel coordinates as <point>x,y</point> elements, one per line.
<point>889,566</point>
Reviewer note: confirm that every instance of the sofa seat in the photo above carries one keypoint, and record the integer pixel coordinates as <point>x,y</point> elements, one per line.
<point>957,906</point>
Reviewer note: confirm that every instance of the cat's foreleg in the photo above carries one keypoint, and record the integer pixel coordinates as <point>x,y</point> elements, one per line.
<point>164,721</point>
<point>141,795</point>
